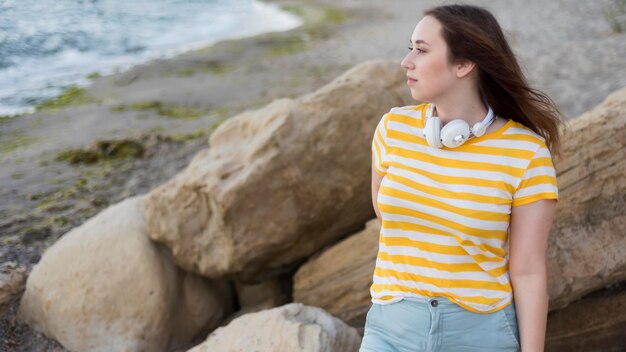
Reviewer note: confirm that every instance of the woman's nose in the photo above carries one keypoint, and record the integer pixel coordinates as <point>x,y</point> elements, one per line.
<point>406,62</point>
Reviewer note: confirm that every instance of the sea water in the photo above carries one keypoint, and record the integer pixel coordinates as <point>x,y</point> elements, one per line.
<point>49,45</point>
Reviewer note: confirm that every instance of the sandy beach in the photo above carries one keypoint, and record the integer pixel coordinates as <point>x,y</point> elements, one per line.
<point>167,108</point>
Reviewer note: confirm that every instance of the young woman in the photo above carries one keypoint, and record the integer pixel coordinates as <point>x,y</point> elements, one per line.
<point>465,189</point>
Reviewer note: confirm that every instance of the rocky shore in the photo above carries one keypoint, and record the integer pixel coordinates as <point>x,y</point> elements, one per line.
<point>131,132</point>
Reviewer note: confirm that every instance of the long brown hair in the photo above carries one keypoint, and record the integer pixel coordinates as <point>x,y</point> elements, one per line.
<point>473,33</point>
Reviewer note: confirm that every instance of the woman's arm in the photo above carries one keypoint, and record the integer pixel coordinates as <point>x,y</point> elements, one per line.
<point>376,180</point>
<point>528,244</point>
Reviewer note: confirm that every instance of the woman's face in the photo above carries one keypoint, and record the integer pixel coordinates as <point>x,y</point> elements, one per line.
<point>429,75</point>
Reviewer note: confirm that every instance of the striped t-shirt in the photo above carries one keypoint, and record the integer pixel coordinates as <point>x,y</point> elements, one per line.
<point>446,212</point>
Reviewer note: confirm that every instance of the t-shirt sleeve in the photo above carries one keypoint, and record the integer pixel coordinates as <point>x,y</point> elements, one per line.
<point>539,180</point>
<point>379,147</point>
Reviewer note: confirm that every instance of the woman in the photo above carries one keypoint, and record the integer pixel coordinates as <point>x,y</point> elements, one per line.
<point>465,189</point>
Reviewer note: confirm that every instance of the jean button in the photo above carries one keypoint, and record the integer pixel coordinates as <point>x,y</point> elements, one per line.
<point>434,303</point>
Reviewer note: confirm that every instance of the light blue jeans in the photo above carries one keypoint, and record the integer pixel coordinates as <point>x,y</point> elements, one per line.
<point>436,324</point>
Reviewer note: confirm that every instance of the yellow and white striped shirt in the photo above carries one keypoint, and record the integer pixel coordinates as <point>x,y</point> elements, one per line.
<point>446,212</point>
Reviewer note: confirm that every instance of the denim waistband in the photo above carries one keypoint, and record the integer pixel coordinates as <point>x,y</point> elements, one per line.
<point>423,299</point>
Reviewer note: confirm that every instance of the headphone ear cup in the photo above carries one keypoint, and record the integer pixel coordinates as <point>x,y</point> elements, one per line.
<point>431,132</point>
<point>479,129</point>
<point>455,133</point>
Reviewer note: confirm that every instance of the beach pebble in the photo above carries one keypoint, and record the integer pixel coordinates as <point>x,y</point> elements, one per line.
<point>12,282</point>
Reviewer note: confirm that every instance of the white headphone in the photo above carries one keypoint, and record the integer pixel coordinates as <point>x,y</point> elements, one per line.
<point>455,132</point>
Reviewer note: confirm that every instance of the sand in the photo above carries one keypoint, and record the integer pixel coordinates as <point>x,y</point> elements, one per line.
<point>566,48</point>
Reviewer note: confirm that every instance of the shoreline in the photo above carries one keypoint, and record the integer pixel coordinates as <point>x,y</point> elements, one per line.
<point>94,99</point>
<point>170,106</point>
<point>269,17</point>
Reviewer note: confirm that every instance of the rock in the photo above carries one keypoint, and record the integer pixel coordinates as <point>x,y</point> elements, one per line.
<point>338,280</point>
<point>596,323</point>
<point>587,247</point>
<point>290,328</point>
<point>12,282</point>
<point>264,295</point>
<point>279,183</point>
<point>274,292</point>
<point>105,286</point>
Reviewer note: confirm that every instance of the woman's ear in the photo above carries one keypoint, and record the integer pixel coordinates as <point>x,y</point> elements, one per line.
<point>464,68</point>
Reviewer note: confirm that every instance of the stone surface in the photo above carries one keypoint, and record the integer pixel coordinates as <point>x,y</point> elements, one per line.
<point>268,294</point>
<point>273,292</point>
<point>587,247</point>
<point>596,323</point>
<point>104,286</point>
<point>338,279</point>
<point>290,328</point>
<point>278,183</point>
<point>12,283</point>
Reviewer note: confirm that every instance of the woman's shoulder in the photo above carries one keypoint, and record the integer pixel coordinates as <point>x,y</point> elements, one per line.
<point>414,111</point>
<point>519,131</point>
<point>409,108</point>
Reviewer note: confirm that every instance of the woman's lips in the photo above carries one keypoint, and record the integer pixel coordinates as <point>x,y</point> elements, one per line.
<point>410,80</point>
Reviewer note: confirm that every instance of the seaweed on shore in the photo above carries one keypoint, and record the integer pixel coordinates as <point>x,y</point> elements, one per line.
<point>615,14</point>
<point>18,139</point>
<point>162,109</point>
<point>71,96</point>
<point>316,19</point>
<point>103,149</point>
<point>214,67</point>
<point>183,137</point>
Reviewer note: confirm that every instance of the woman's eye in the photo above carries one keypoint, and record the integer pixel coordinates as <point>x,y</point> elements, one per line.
<point>418,50</point>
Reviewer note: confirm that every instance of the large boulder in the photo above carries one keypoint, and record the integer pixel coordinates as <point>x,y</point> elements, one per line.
<point>595,323</point>
<point>338,279</point>
<point>267,294</point>
<point>587,247</point>
<point>279,183</point>
<point>290,328</point>
<point>104,286</point>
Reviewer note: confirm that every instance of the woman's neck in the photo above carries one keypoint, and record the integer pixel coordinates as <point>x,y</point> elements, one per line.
<point>471,115</point>
<point>471,112</point>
